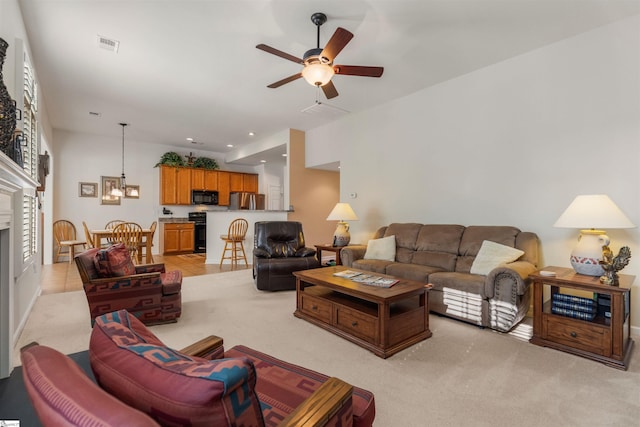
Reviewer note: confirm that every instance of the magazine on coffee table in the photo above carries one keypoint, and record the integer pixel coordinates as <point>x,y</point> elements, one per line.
<point>367,279</point>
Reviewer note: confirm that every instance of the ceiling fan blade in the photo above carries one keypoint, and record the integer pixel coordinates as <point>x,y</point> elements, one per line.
<point>329,90</point>
<point>285,81</point>
<point>358,70</point>
<point>279,53</point>
<point>336,43</point>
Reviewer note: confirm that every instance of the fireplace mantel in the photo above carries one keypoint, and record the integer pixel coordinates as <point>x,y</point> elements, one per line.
<point>12,176</point>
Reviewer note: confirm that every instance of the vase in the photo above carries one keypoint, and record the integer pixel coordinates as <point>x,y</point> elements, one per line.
<point>7,110</point>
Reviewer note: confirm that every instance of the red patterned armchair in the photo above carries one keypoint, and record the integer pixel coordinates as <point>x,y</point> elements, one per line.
<point>141,382</point>
<point>112,282</point>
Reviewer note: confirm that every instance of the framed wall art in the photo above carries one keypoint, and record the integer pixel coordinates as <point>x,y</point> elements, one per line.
<point>132,191</point>
<point>108,184</point>
<point>88,189</point>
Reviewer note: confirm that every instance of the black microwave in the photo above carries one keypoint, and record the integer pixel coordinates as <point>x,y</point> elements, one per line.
<point>199,197</point>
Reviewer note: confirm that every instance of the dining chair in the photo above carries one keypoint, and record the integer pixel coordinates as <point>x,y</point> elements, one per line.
<point>234,242</point>
<point>110,226</point>
<point>129,233</point>
<point>143,244</point>
<point>64,233</point>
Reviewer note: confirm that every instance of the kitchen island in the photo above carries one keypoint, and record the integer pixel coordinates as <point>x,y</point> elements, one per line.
<point>218,224</point>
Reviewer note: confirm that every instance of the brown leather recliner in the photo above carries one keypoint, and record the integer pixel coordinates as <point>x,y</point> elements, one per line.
<point>279,250</point>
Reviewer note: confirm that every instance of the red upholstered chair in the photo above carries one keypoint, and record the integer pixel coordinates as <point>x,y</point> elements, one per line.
<point>112,282</point>
<point>201,385</point>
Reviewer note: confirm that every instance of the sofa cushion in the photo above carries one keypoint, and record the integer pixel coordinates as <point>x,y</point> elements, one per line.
<point>114,261</point>
<point>384,249</point>
<point>416,272</point>
<point>492,255</point>
<point>473,237</point>
<point>62,394</point>
<point>406,236</point>
<point>375,265</point>
<point>132,364</point>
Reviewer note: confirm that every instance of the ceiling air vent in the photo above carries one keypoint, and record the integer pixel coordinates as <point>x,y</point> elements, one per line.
<point>108,44</point>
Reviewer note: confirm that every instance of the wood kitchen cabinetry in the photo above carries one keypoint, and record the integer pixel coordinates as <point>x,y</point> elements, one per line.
<point>203,179</point>
<point>176,238</point>
<point>606,338</point>
<point>176,184</point>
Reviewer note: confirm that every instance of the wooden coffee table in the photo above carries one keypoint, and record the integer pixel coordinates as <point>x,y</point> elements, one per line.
<point>382,320</point>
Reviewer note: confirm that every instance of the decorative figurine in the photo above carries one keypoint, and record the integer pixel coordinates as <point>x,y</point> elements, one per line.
<point>190,159</point>
<point>612,264</point>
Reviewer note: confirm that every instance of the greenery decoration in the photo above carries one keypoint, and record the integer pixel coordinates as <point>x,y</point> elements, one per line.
<point>205,163</point>
<point>170,158</point>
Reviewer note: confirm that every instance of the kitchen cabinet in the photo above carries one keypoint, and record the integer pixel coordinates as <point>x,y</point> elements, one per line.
<point>175,185</point>
<point>223,188</point>
<point>203,179</point>
<point>250,182</point>
<point>177,238</point>
<point>236,182</point>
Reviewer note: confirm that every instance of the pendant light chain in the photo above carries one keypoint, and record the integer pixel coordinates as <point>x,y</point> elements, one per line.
<point>123,178</point>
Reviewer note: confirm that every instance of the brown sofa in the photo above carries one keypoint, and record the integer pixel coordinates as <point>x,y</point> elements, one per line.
<point>442,254</point>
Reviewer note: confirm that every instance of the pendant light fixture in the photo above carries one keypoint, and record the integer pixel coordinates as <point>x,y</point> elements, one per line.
<point>119,192</point>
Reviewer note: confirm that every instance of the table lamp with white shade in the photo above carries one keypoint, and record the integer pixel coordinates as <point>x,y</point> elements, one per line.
<point>342,212</point>
<point>591,214</point>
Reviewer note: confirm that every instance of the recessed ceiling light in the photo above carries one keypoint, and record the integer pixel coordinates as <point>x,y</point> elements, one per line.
<point>251,134</point>
<point>284,155</point>
<point>263,161</point>
<point>230,145</point>
<point>190,139</point>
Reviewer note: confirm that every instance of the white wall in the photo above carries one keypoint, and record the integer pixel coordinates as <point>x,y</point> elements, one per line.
<point>510,144</point>
<point>85,158</point>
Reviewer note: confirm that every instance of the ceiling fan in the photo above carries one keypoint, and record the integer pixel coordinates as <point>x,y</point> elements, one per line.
<point>318,63</point>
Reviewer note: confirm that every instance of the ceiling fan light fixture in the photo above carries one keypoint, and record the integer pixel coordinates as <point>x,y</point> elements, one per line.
<point>317,74</point>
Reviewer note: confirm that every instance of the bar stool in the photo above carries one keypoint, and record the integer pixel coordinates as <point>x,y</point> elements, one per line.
<point>234,242</point>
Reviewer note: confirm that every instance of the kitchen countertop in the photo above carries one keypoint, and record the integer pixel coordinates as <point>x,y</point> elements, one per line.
<point>174,220</point>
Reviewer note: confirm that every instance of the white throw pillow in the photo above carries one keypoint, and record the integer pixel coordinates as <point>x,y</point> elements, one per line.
<point>493,254</point>
<point>383,248</point>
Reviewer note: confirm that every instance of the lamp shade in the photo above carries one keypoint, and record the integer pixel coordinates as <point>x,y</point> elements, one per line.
<point>342,212</point>
<point>593,211</point>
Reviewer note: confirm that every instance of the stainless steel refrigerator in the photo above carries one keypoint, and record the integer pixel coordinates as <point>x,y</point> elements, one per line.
<point>244,200</point>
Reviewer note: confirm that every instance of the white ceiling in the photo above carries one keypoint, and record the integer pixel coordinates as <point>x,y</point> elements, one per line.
<point>188,68</point>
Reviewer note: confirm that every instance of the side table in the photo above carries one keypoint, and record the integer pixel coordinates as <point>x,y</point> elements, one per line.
<point>329,248</point>
<point>604,339</point>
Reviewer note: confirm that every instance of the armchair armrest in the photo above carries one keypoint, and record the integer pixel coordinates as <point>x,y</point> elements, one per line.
<point>209,348</point>
<point>132,278</point>
<point>318,408</point>
<point>261,253</point>
<point>303,252</point>
<point>150,268</point>
<point>351,253</point>
<point>514,275</point>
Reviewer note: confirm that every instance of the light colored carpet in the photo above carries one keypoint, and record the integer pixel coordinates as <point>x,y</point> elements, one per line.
<point>461,376</point>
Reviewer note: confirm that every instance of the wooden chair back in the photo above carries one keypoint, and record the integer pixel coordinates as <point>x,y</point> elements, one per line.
<point>110,226</point>
<point>237,229</point>
<point>87,235</point>
<point>130,234</point>
<point>63,230</point>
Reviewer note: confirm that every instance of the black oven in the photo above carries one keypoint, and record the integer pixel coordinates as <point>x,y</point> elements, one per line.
<point>200,231</point>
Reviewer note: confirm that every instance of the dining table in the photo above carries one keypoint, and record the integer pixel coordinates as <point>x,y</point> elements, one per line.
<point>147,233</point>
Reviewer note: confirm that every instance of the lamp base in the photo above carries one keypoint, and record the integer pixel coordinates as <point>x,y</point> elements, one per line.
<point>586,256</point>
<point>341,237</point>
